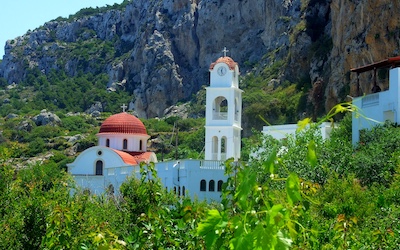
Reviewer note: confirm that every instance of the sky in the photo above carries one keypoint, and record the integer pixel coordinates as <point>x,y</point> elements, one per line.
<point>19,16</point>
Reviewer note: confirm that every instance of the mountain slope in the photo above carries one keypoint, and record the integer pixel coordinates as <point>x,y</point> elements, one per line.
<point>160,50</point>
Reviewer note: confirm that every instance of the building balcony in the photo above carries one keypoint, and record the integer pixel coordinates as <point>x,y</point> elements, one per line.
<point>220,115</point>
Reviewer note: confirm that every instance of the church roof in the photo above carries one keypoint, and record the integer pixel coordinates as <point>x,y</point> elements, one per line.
<point>224,59</point>
<point>134,158</point>
<point>127,158</point>
<point>123,123</point>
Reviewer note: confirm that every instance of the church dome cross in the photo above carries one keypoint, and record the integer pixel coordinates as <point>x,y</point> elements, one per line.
<point>123,107</point>
<point>225,51</point>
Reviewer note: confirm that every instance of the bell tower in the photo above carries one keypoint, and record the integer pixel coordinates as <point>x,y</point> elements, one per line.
<point>223,111</point>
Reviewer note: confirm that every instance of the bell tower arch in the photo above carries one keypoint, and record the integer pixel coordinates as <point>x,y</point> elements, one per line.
<point>223,111</point>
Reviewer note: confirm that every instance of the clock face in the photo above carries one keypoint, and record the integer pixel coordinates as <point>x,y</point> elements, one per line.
<point>221,71</point>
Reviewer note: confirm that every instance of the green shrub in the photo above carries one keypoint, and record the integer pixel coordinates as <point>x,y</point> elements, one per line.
<point>373,158</point>
<point>75,124</point>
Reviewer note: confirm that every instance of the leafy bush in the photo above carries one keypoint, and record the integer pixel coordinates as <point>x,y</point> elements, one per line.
<point>76,124</point>
<point>373,160</point>
<point>328,204</point>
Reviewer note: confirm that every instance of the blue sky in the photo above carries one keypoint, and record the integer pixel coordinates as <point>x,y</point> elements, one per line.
<point>18,16</point>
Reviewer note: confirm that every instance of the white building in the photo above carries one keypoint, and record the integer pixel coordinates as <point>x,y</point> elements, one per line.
<point>280,132</point>
<point>122,145</point>
<point>379,106</point>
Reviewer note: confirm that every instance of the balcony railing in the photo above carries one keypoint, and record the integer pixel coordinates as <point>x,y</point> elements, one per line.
<point>212,165</point>
<point>220,115</point>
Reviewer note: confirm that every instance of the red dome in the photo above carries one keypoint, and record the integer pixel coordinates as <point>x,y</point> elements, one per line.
<point>123,123</point>
<point>225,59</point>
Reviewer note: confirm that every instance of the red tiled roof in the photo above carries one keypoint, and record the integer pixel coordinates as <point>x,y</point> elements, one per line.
<point>145,156</point>
<point>225,59</point>
<point>134,158</point>
<point>127,158</point>
<point>123,123</point>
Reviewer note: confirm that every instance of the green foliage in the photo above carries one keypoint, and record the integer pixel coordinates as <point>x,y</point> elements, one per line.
<point>158,219</point>
<point>190,133</point>
<point>77,124</point>
<point>198,102</point>
<point>254,216</point>
<point>93,11</point>
<point>57,91</point>
<point>144,194</point>
<point>377,146</point>
<point>265,98</point>
<point>300,193</point>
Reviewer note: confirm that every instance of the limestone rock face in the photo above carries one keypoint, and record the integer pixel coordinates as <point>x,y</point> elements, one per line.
<point>363,32</point>
<point>97,107</point>
<point>46,118</point>
<point>163,48</point>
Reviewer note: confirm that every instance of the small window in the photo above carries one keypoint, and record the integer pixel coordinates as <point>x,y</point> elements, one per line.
<point>99,152</point>
<point>211,186</point>
<point>99,168</point>
<point>219,186</point>
<point>183,190</point>
<point>179,191</point>
<point>107,142</point>
<point>203,185</point>
<point>125,144</point>
<point>140,145</point>
<point>174,190</point>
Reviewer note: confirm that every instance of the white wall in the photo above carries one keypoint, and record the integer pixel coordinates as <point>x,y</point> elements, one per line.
<point>116,141</point>
<point>178,174</point>
<point>280,132</point>
<point>378,107</point>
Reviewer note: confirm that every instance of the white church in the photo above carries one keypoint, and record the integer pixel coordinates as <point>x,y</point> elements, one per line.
<point>122,139</point>
<point>122,145</point>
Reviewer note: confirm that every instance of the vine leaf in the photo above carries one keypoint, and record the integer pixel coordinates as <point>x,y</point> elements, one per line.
<point>293,189</point>
<point>270,163</point>
<point>208,227</point>
<point>303,123</point>
<point>311,155</point>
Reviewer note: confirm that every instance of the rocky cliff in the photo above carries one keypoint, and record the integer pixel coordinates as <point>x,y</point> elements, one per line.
<point>161,50</point>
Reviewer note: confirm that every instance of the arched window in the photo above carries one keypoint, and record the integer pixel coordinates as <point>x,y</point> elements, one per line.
<point>179,191</point>
<point>220,108</point>
<point>174,190</point>
<point>203,185</point>
<point>219,185</point>
<point>99,167</point>
<point>211,186</point>
<point>223,148</point>
<point>107,142</point>
<point>183,190</point>
<point>125,144</point>
<point>140,145</point>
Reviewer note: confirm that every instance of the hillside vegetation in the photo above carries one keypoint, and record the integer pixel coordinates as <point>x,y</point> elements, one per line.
<point>302,193</point>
